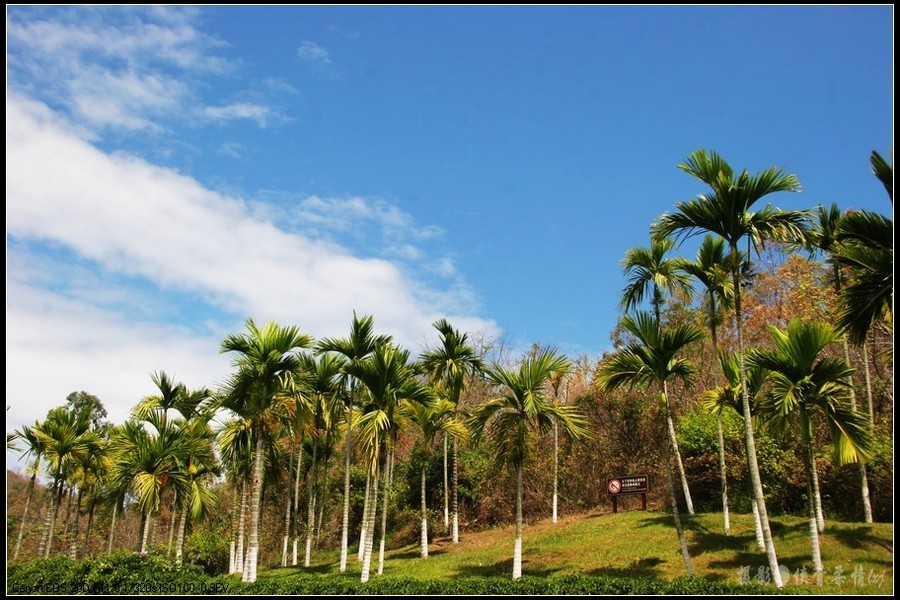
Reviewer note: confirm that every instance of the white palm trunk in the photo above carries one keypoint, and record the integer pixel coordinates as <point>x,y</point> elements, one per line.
<point>682,541</point>
<point>424,517</point>
<point>296,532</point>
<point>389,476</point>
<point>555,470</point>
<point>256,498</point>
<point>455,493</point>
<point>145,540</point>
<point>311,502</point>
<point>345,518</point>
<point>517,547</point>
<point>813,525</point>
<point>446,489</point>
<point>179,546</point>
<point>112,527</point>
<point>723,475</point>
<point>364,526</point>
<point>757,525</point>
<point>172,519</point>
<point>239,550</point>
<point>73,541</point>
<point>287,510</point>
<point>817,499</point>
<point>368,523</point>
<point>50,521</point>
<point>232,560</point>
<point>684,483</point>
<point>750,442</point>
<point>861,467</point>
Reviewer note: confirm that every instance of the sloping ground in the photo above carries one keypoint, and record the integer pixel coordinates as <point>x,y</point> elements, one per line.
<point>858,558</point>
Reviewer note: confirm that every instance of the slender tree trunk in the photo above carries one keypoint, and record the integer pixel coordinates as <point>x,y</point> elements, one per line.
<point>287,509</point>
<point>364,526</point>
<point>455,492</point>
<point>749,439</point>
<point>517,547</point>
<point>46,531</point>
<point>112,526</point>
<point>682,540</point>
<point>232,559</point>
<point>345,517</point>
<point>69,493</point>
<point>555,470</point>
<point>85,547</point>
<point>25,512</point>
<point>311,501</point>
<point>148,524</point>
<point>323,495</point>
<point>867,504</point>
<point>861,467</point>
<point>73,540</point>
<point>817,499</point>
<point>51,520</point>
<point>757,525</point>
<point>446,489</point>
<point>253,549</point>
<point>297,502</point>
<point>389,477</point>
<point>723,475</point>
<point>242,521</point>
<point>172,518</point>
<point>424,516</point>
<point>674,443</point>
<point>866,372</point>
<point>368,523</point>
<point>143,526</point>
<point>179,545</point>
<point>813,525</point>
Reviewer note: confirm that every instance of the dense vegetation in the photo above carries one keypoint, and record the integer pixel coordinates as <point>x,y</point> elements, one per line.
<point>757,383</point>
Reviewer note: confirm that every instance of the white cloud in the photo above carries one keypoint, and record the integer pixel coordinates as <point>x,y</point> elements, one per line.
<point>239,110</point>
<point>232,149</point>
<point>125,219</point>
<point>313,53</point>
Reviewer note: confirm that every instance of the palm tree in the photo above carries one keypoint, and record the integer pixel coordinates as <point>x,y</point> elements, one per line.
<point>263,355</point>
<point>201,466</point>
<point>802,381</point>
<point>884,171</point>
<point>650,360</point>
<point>34,446</point>
<point>359,345</point>
<point>438,417</point>
<point>388,379</point>
<point>651,273</point>
<point>710,269</point>
<point>67,440</point>
<point>235,445</point>
<point>822,237</point>
<point>727,213</point>
<point>448,366</point>
<point>729,396</point>
<point>522,406</point>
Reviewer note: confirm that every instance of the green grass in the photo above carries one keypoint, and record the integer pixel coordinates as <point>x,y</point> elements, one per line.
<point>643,545</point>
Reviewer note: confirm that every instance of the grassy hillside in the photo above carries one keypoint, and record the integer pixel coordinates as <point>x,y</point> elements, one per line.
<point>858,558</point>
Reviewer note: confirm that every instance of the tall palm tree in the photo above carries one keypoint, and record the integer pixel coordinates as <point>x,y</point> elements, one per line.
<point>235,446</point>
<point>67,440</point>
<point>200,468</point>
<point>555,382</point>
<point>356,347</point>
<point>388,378</point>
<point>263,354</point>
<point>652,360</point>
<point>34,447</point>
<point>523,406</point>
<point>710,269</point>
<point>727,213</point>
<point>447,366</point>
<point>802,381</point>
<point>432,419</point>
<point>823,237</point>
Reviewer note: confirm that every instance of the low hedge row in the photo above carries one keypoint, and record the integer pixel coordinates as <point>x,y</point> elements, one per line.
<point>124,573</point>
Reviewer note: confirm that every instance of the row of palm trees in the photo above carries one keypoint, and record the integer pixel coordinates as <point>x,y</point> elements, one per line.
<point>859,246</point>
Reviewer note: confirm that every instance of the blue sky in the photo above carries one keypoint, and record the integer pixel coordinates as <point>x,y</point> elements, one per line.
<point>173,171</point>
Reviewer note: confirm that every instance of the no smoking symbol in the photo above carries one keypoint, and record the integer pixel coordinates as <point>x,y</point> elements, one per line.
<point>614,486</point>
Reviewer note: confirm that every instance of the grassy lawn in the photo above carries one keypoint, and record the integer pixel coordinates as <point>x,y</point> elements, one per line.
<point>858,558</point>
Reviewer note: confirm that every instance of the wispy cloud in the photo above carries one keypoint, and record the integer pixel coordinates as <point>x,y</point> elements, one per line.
<point>313,53</point>
<point>239,110</point>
